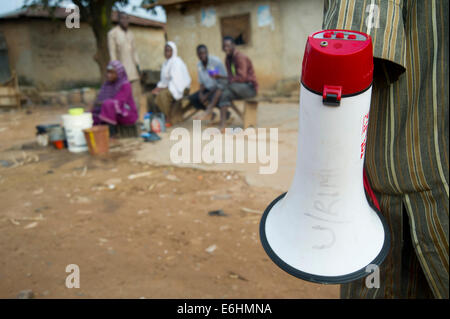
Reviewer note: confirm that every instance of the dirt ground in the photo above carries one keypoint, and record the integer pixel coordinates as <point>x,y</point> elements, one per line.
<point>144,237</point>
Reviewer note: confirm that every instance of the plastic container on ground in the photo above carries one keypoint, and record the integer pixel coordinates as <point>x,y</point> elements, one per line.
<point>74,126</point>
<point>97,139</point>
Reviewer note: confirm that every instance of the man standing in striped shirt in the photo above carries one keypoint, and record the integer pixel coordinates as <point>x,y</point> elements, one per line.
<point>408,138</point>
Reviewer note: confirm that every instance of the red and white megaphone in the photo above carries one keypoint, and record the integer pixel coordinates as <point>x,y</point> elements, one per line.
<point>324,229</point>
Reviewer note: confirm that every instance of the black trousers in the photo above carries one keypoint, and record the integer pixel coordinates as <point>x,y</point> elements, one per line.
<point>195,100</point>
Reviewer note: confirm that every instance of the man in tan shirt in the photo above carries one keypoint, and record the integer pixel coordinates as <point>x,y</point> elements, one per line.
<point>122,47</point>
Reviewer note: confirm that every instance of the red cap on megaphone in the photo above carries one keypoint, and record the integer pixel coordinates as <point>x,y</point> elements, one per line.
<point>338,58</point>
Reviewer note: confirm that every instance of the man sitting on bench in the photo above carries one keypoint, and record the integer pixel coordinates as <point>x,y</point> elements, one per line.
<point>207,67</point>
<point>241,78</point>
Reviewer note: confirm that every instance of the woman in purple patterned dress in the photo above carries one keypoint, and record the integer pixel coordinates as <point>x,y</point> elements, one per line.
<point>114,104</point>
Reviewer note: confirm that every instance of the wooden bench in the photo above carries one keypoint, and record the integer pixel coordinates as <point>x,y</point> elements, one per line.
<point>249,117</point>
<point>127,131</point>
<point>10,93</point>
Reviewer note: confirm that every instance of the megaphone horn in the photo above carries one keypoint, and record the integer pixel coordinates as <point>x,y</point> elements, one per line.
<point>323,229</point>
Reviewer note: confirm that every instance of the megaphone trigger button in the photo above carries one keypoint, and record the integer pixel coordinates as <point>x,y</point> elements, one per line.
<point>332,95</point>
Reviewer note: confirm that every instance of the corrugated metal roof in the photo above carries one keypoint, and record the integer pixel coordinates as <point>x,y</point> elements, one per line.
<point>165,3</point>
<point>60,13</point>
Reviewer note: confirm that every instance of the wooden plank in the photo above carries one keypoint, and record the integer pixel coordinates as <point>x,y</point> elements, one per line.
<point>4,101</point>
<point>127,131</point>
<point>16,84</point>
<point>250,112</point>
<point>10,93</point>
<point>7,91</point>
<point>143,106</point>
<point>239,113</point>
<point>8,96</point>
<point>259,99</point>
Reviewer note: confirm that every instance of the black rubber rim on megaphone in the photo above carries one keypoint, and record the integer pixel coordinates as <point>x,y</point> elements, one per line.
<point>316,278</point>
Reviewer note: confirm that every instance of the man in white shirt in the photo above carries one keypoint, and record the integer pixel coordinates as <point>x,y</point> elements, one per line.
<point>122,48</point>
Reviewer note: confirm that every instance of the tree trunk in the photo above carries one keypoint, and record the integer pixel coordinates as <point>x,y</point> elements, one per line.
<point>100,21</point>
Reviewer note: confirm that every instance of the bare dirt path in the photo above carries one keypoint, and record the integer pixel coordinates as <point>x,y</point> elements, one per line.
<point>149,236</point>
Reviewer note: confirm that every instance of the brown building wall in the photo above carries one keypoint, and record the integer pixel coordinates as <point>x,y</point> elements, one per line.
<point>300,18</point>
<point>50,56</point>
<point>150,46</point>
<point>276,49</point>
<point>19,47</point>
<point>186,30</point>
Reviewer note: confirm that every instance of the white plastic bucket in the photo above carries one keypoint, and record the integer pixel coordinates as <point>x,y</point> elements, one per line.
<point>74,126</point>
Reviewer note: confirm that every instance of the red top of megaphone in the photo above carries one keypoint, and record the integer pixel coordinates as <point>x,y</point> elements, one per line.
<point>338,58</point>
